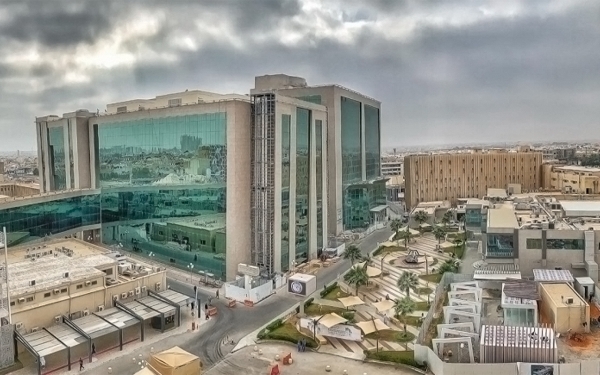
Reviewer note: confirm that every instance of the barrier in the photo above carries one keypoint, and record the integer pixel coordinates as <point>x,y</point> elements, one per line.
<point>231,303</point>
<point>248,303</point>
<point>212,311</point>
<point>287,359</point>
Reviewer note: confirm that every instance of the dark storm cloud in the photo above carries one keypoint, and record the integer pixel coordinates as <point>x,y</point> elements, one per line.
<point>530,76</point>
<point>56,23</point>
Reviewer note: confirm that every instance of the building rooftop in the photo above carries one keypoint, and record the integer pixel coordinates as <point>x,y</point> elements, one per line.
<point>578,168</point>
<point>580,208</point>
<point>543,275</point>
<point>502,218</point>
<point>496,193</point>
<point>560,293</point>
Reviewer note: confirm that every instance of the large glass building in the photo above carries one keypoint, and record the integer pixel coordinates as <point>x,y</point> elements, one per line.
<point>167,177</point>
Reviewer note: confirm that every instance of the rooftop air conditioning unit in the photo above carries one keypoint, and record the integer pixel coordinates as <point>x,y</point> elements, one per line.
<point>101,308</point>
<point>86,312</point>
<point>35,329</point>
<point>21,300</point>
<point>137,290</point>
<point>157,287</point>
<point>123,295</point>
<point>88,283</point>
<point>57,319</point>
<point>143,289</point>
<point>19,325</point>
<point>131,293</point>
<point>116,297</point>
<point>56,291</point>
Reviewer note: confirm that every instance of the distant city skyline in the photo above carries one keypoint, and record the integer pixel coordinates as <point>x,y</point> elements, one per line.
<point>445,71</point>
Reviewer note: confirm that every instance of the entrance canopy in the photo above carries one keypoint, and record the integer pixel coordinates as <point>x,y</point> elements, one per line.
<point>94,326</point>
<point>143,311</point>
<point>67,335</point>
<point>379,208</point>
<point>43,343</point>
<point>157,305</point>
<point>331,320</point>
<point>176,297</point>
<point>118,317</point>
<point>384,305</point>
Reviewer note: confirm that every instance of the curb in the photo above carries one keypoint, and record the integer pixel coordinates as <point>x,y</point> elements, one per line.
<point>396,364</point>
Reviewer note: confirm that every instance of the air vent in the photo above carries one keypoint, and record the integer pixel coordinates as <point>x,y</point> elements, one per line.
<point>123,295</point>
<point>57,319</point>
<point>101,308</point>
<point>86,312</point>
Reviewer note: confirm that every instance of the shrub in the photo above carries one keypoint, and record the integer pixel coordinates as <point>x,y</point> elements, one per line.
<point>308,302</point>
<point>328,288</point>
<point>274,325</point>
<point>348,315</point>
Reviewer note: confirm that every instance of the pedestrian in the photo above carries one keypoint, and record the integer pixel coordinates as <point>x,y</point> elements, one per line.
<point>217,293</point>
<point>303,344</point>
<point>193,305</point>
<point>299,345</point>
<point>93,348</point>
<point>81,368</point>
<point>206,306</point>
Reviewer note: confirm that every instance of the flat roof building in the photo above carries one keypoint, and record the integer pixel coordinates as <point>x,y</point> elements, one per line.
<point>563,307</point>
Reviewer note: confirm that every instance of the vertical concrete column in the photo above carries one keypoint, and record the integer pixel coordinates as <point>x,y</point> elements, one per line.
<point>544,247</point>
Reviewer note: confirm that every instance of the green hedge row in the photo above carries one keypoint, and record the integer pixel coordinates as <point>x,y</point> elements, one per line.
<point>270,328</point>
<point>327,289</point>
<point>308,302</point>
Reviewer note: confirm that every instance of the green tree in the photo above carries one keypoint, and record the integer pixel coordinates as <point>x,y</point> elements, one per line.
<point>357,276</point>
<point>352,253</point>
<point>451,265</point>
<point>421,217</point>
<point>447,218</point>
<point>404,235</point>
<point>439,232</point>
<point>458,242</point>
<point>402,308</point>
<point>395,225</point>
<point>408,281</point>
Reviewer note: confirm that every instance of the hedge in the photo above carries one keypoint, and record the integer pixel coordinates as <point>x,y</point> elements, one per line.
<point>308,302</point>
<point>327,289</point>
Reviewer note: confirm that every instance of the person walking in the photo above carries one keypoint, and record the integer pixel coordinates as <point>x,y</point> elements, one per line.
<point>217,293</point>
<point>303,344</point>
<point>93,348</point>
<point>81,368</point>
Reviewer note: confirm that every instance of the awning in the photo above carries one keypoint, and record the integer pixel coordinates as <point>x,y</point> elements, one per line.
<point>176,297</point>
<point>425,225</point>
<point>411,231</point>
<point>66,335</point>
<point>94,326</point>
<point>143,311</point>
<point>157,305</point>
<point>379,208</point>
<point>43,343</point>
<point>447,245</point>
<point>371,326</point>
<point>553,276</point>
<point>351,301</point>
<point>145,371</point>
<point>331,320</point>
<point>118,318</point>
<point>384,305</point>
<point>371,271</point>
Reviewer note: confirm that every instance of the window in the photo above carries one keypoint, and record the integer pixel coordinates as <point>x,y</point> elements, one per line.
<point>565,244</point>
<point>29,299</point>
<point>174,102</point>
<point>534,243</point>
<point>122,109</point>
<point>63,290</point>
<point>46,295</point>
<point>79,286</point>
<point>12,303</point>
<point>95,282</point>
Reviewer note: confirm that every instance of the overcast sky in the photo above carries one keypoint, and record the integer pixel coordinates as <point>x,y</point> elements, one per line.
<point>446,71</point>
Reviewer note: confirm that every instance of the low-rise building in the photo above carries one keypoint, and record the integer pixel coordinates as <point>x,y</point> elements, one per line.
<point>571,179</point>
<point>72,278</point>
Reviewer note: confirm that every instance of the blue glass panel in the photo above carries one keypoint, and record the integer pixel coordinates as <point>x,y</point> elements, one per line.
<point>286,121</point>
<point>56,145</point>
<point>319,178</point>
<point>351,140</point>
<point>372,140</point>
<point>302,182</point>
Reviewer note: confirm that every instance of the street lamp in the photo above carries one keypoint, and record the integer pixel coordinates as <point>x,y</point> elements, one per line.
<point>382,258</point>
<point>191,267</point>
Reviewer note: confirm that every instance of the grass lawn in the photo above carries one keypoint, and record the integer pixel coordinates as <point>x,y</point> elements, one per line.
<point>410,320</point>
<point>388,250</point>
<point>392,335</point>
<point>405,357</point>
<point>335,294</point>
<point>425,291</point>
<point>432,277</point>
<point>288,332</point>
<point>459,251</point>
<point>421,306</point>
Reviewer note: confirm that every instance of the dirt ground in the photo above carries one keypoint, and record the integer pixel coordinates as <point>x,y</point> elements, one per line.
<point>587,348</point>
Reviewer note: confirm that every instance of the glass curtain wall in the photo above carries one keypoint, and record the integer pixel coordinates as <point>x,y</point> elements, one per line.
<point>372,140</point>
<point>351,160</point>
<point>179,150</point>
<point>500,245</point>
<point>302,182</point>
<point>71,162</point>
<point>286,121</point>
<point>35,221</point>
<point>319,178</point>
<point>56,143</point>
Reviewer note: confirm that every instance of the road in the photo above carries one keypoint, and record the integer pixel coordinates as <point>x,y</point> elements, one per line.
<point>241,321</point>
<point>233,323</point>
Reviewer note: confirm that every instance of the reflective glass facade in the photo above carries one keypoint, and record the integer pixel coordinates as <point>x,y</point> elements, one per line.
<point>70,141</point>
<point>316,99</point>
<point>319,178</point>
<point>372,139</point>
<point>500,245</point>
<point>473,217</point>
<point>302,182</point>
<point>34,221</point>
<point>286,121</point>
<point>359,199</point>
<point>351,140</point>
<point>179,150</point>
<point>565,244</point>
<point>56,149</point>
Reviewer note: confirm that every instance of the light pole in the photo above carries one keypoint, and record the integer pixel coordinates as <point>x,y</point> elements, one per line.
<point>382,258</point>
<point>191,267</point>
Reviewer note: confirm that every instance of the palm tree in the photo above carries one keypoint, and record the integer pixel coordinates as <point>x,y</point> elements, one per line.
<point>395,225</point>
<point>403,307</point>
<point>439,233</point>
<point>451,265</point>
<point>404,235</point>
<point>367,259</point>
<point>357,276</point>
<point>352,253</point>
<point>421,217</point>
<point>447,217</point>
<point>458,242</point>
<point>408,281</point>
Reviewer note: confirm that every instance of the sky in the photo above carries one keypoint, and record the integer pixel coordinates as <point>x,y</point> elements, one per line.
<point>446,71</point>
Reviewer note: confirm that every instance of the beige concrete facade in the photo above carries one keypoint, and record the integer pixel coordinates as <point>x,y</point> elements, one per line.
<point>571,179</point>
<point>14,190</point>
<point>564,308</point>
<point>468,175</point>
<point>72,284</point>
